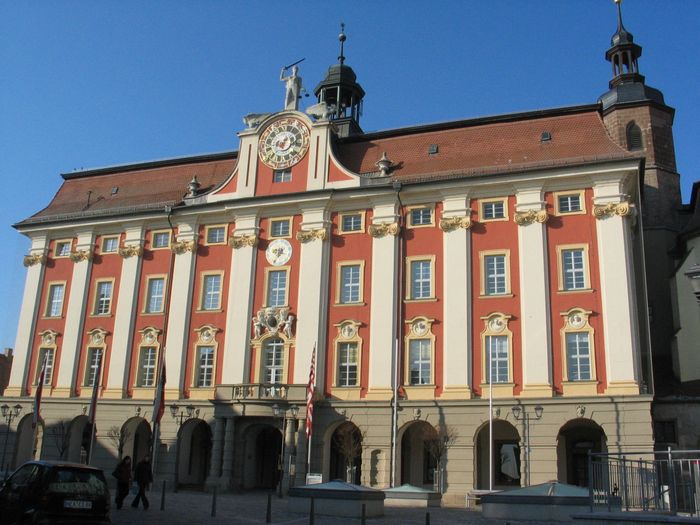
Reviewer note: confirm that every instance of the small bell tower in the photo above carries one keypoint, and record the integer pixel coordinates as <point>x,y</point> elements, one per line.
<point>340,90</point>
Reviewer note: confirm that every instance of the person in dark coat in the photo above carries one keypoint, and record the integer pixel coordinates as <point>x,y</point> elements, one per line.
<point>143,477</point>
<point>123,475</point>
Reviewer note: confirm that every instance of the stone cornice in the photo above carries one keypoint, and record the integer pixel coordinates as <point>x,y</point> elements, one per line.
<point>448,224</point>
<point>385,228</point>
<point>523,218</point>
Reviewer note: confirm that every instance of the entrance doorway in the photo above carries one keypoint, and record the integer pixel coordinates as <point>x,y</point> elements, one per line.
<point>576,438</point>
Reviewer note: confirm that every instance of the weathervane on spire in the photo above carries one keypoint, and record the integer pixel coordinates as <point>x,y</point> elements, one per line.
<point>342,38</point>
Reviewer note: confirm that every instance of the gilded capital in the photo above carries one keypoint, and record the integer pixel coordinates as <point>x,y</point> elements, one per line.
<point>180,247</point>
<point>622,209</point>
<point>311,235</point>
<point>523,218</point>
<point>34,258</point>
<point>80,255</point>
<point>132,250</point>
<point>241,241</point>
<point>385,228</point>
<point>448,224</point>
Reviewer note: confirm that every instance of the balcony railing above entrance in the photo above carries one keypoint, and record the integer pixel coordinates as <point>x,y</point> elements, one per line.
<point>261,392</point>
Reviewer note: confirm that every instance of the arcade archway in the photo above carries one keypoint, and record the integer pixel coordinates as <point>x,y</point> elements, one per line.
<point>194,453</point>
<point>506,456</point>
<point>576,438</point>
<point>346,453</point>
<point>417,463</point>
<point>262,449</point>
<point>137,436</point>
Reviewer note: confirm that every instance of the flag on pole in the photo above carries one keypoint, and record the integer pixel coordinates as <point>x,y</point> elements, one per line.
<point>159,401</point>
<point>37,395</point>
<point>310,394</point>
<point>95,388</point>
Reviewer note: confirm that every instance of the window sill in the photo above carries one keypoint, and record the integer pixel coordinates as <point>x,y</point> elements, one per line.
<point>351,232</point>
<point>101,315</point>
<point>496,296</point>
<point>499,219</point>
<point>152,313</point>
<point>575,291</point>
<point>416,226</point>
<point>428,300</point>
<point>350,304</point>
<point>54,317</point>
<point>207,311</point>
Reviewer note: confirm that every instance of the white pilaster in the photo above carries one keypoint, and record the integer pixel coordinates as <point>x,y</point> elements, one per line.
<point>181,286</point>
<point>124,312</point>
<point>617,286</point>
<point>75,316</point>
<point>240,302</point>
<point>318,156</point>
<point>456,293</point>
<point>534,293</point>
<point>312,307</point>
<point>247,163</point>
<point>382,338</point>
<point>35,262</point>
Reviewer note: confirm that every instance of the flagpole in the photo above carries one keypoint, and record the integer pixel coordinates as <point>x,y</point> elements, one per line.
<point>309,402</point>
<point>37,406</point>
<point>490,418</point>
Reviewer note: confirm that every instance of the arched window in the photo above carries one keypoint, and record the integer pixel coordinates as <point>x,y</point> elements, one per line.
<point>634,137</point>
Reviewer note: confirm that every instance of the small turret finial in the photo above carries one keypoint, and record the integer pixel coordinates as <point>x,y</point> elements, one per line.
<point>342,38</point>
<point>619,13</point>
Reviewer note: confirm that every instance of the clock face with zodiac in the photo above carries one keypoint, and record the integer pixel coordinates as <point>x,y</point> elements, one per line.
<point>278,252</point>
<point>284,143</point>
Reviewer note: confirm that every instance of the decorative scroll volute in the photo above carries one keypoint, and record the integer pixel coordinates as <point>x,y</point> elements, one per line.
<point>180,247</point>
<point>622,209</point>
<point>523,218</point>
<point>132,250</point>
<point>311,235</point>
<point>240,241</point>
<point>80,255</point>
<point>385,228</point>
<point>34,258</point>
<point>448,224</point>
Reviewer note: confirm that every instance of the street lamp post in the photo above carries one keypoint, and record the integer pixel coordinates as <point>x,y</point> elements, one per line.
<point>520,413</point>
<point>181,417</point>
<point>8,414</point>
<point>281,412</point>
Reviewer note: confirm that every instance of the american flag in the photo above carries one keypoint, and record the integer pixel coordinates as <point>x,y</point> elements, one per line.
<point>310,395</point>
<point>95,388</point>
<point>37,396</point>
<point>159,401</point>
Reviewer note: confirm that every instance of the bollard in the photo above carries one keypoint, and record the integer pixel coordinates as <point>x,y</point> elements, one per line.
<point>311,511</point>
<point>213,503</point>
<point>363,520</point>
<point>427,518</point>
<point>162,497</point>
<point>268,516</point>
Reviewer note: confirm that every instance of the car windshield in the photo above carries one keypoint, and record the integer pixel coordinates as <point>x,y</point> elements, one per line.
<point>66,480</point>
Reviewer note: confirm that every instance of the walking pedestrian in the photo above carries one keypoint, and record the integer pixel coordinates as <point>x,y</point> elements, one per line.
<point>123,474</point>
<point>144,477</point>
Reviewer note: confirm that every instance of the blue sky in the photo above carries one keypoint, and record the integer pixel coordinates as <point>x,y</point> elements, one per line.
<point>86,84</point>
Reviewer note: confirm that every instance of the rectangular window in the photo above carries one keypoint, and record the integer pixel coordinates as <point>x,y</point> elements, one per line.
<point>347,364</point>
<point>274,361</point>
<point>62,248</point>
<point>578,356</point>
<point>94,356</point>
<point>155,294</point>
<point>103,297</point>
<point>350,222</point>
<point>279,228</point>
<point>160,239</point>
<point>493,210</point>
<point>205,366</point>
<point>419,356</point>
<point>211,292</point>
<point>282,176</point>
<point>147,367</point>
<point>569,203</point>
<point>54,304</point>
<point>422,216</point>
<point>110,244</point>
<point>216,234</point>
<point>47,354</point>
<point>421,279</point>
<point>573,264</point>
<point>350,276</point>
<point>496,359</point>
<point>277,288</point>
<point>495,275</point>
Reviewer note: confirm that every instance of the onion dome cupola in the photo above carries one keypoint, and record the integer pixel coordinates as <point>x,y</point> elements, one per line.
<point>341,92</point>
<point>627,84</point>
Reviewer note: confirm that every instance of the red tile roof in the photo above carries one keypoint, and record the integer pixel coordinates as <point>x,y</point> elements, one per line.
<point>485,145</point>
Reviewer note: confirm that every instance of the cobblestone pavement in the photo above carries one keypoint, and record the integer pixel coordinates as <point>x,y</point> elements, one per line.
<point>190,508</point>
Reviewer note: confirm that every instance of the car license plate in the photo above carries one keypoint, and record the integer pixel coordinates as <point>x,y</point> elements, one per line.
<point>76,504</point>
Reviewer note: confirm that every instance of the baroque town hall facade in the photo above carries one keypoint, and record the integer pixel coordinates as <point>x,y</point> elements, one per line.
<point>438,266</point>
